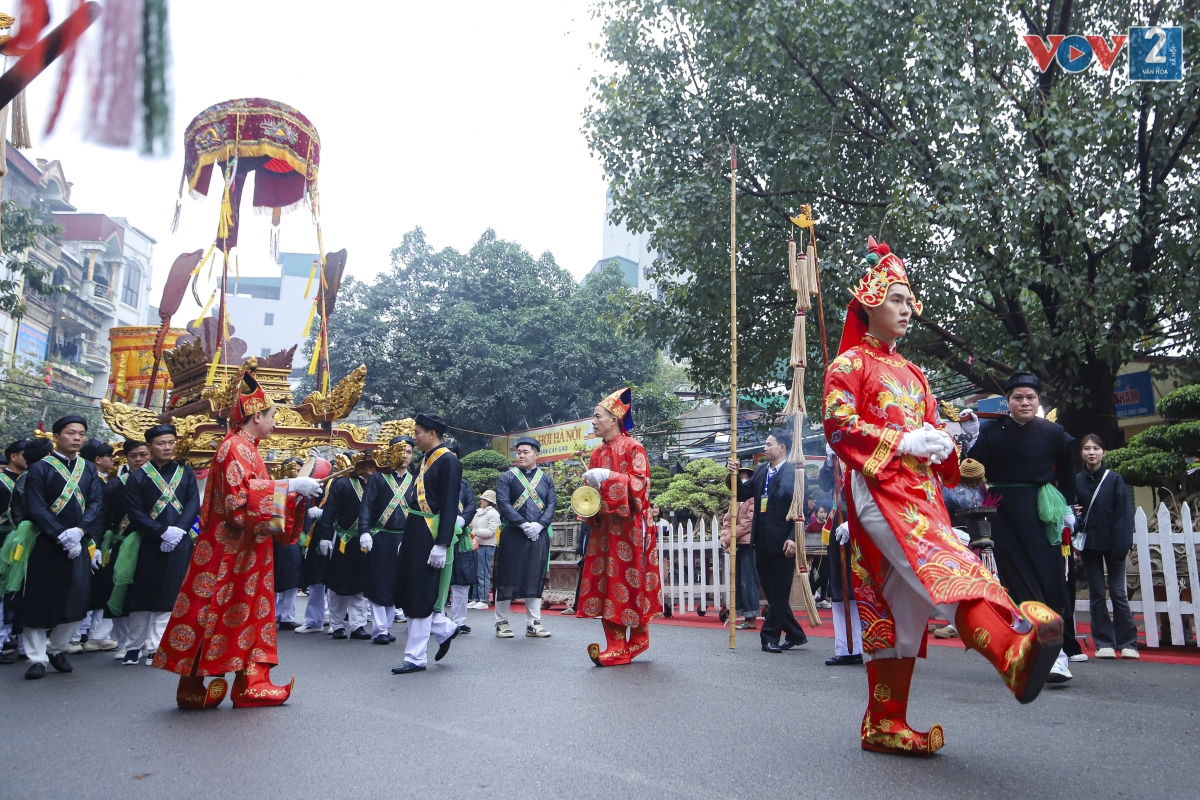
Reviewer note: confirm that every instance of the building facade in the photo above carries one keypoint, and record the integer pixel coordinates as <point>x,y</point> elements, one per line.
<point>268,313</point>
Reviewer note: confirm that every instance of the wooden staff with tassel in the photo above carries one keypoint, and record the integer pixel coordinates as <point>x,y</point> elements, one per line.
<point>733,395</point>
<point>803,281</point>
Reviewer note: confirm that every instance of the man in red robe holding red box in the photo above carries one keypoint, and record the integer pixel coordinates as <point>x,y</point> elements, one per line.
<point>881,420</point>
<point>224,617</point>
<point>620,582</point>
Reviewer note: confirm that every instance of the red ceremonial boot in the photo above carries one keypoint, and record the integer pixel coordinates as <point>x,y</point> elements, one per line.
<point>253,688</point>
<point>639,640</point>
<point>616,653</point>
<point>1022,657</point>
<point>193,695</point>
<point>884,727</point>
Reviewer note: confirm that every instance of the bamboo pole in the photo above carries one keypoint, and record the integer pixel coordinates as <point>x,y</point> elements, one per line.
<point>733,397</point>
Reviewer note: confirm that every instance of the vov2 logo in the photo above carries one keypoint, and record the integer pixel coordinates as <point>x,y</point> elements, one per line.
<point>1155,53</point>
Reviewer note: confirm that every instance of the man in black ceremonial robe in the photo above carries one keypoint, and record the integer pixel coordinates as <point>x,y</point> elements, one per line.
<point>162,500</point>
<point>381,519</point>
<point>338,540</point>
<point>64,504</point>
<point>14,466</point>
<point>422,571</point>
<point>525,498</point>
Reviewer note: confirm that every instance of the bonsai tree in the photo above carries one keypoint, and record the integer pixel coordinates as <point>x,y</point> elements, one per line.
<point>1165,456</point>
<point>700,489</point>
<point>483,468</point>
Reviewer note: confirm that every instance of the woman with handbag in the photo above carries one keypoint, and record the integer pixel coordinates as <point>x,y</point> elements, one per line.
<point>1106,528</point>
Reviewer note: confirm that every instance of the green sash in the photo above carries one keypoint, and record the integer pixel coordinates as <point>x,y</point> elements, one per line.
<point>398,491</point>
<point>433,521</point>
<point>344,534</point>
<point>123,571</point>
<point>5,519</point>
<point>167,490</point>
<point>529,489</point>
<point>14,556</point>
<point>72,488</point>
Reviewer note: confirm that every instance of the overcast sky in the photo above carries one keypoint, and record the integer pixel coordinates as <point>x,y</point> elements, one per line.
<point>451,116</point>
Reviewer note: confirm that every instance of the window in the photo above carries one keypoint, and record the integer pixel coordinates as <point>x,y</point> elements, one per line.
<point>268,319</point>
<point>133,285</point>
<point>266,351</point>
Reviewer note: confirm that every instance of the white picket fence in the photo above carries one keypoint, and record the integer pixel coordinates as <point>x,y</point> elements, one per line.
<point>1164,539</point>
<point>694,571</point>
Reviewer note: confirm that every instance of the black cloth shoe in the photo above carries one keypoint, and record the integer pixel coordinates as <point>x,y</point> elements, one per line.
<point>360,633</point>
<point>464,628</point>
<point>35,671</point>
<point>444,647</point>
<point>287,626</point>
<point>788,644</point>
<point>771,647</point>
<point>382,639</point>
<point>60,663</point>
<point>843,661</point>
<point>406,668</point>
<point>340,633</point>
<point>132,657</point>
<point>8,657</point>
<point>391,638</point>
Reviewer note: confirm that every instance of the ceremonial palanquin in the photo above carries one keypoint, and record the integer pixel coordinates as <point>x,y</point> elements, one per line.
<point>873,397</point>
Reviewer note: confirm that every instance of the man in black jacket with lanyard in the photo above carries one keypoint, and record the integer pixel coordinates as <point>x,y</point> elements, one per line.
<point>381,518</point>
<point>163,501</point>
<point>774,539</point>
<point>422,570</point>
<point>64,502</point>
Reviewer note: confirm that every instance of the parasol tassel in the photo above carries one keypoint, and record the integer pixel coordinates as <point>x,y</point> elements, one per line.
<point>20,123</point>
<point>793,274</point>
<point>810,602</point>
<point>796,358</point>
<point>810,259</point>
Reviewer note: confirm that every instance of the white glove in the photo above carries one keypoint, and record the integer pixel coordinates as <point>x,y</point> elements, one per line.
<point>927,443</point>
<point>842,534</point>
<point>366,542</point>
<point>533,530</point>
<point>70,537</point>
<point>325,547</point>
<point>1069,521</point>
<point>969,422</point>
<point>74,550</point>
<point>595,477</point>
<point>315,512</point>
<point>97,559</point>
<point>437,557</point>
<point>171,537</point>
<point>460,522</point>
<point>307,487</point>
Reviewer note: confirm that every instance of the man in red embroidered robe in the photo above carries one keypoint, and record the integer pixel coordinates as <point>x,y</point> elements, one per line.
<point>881,420</point>
<point>620,582</point>
<point>224,617</point>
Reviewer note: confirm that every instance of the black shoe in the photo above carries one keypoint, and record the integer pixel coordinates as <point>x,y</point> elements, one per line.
<point>287,626</point>
<point>444,647</point>
<point>60,663</point>
<point>464,628</point>
<point>340,633</point>
<point>771,647</point>
<point>359,633</point>
<point>83,639</point>
<point>35,671</point>
<point>391,638</point>
<point>382,639</point>
<point>8,657</point>
<point>406,668</point>
<point>843,661</point>
<point>132,657</point>
<point>788,644</point>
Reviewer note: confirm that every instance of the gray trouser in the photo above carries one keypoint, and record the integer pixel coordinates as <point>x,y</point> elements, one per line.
<point>1118,631</point>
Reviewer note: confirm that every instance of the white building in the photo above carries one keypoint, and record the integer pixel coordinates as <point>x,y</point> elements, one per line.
<point>268,313</point>
<point>631,251</point>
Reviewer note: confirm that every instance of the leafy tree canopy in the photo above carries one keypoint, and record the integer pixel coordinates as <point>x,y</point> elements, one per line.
<point>20,228</point>
<point>26,400</point>
<point>700,488</point>
<point>1166,455</point>
<point>1046,219</point>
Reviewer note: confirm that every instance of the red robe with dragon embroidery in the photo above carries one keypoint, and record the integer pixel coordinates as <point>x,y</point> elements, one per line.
<point>873,396</point>
<point>225,612</point>
<point>620,568</point>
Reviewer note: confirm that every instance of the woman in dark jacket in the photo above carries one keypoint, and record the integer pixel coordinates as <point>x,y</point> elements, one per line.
<point>1105,517</point>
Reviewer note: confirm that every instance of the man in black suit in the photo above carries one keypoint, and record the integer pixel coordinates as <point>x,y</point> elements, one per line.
<point>774,539</point>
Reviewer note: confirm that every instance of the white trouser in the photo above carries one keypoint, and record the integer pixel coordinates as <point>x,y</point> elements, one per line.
<point>458,604</point>
<point>906,596</point>
<point>438,626</point>
<point>840,645</point>
<point>285,606</point>
<point>149,627</point>
<point>533,610</point>
<point>314,611</point>
<point>353,606</point>
<point>382,617</point>
<point>101,626</point>
<point>83,626</point>
<point>37,645</point>
<point>120,632</point>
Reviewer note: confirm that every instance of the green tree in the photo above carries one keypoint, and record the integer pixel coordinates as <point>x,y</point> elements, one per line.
<point>1166,455</point>
<point>26,400</point>
<point>483,468</point>
<point>20,228</point>
<point>494,339</point>
<point>700,489</point>
<point>1044,217</point>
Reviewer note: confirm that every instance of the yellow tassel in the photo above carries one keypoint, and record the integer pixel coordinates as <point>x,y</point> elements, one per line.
<point>325,383</point>
<point>312,313</point>
<point>18,551</point>
<point>311,275</point>
<point>204,311</point>
<point>342,546</point>
<point>212,369</point>
<point>211,248</point>
<point>312,365</point>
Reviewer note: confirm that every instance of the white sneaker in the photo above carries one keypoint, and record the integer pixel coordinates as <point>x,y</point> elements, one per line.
<point>477,606</point>
<point>1059,673</point>
<point>74,647</point>
<point>306,629</point>
<point>95,645</point>
<point>1105,652</point>
<point>503,631</point>
<point>1130,652</point>
<point>1078,657</point>
<point>536,631</point>
<point>401,618</point>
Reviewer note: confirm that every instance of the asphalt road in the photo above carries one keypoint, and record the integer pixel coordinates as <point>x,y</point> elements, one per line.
<point>527,718</point>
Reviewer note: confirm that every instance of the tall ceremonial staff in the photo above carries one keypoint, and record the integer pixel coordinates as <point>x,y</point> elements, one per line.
<point>733,397</point>
<point>804,281</point>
